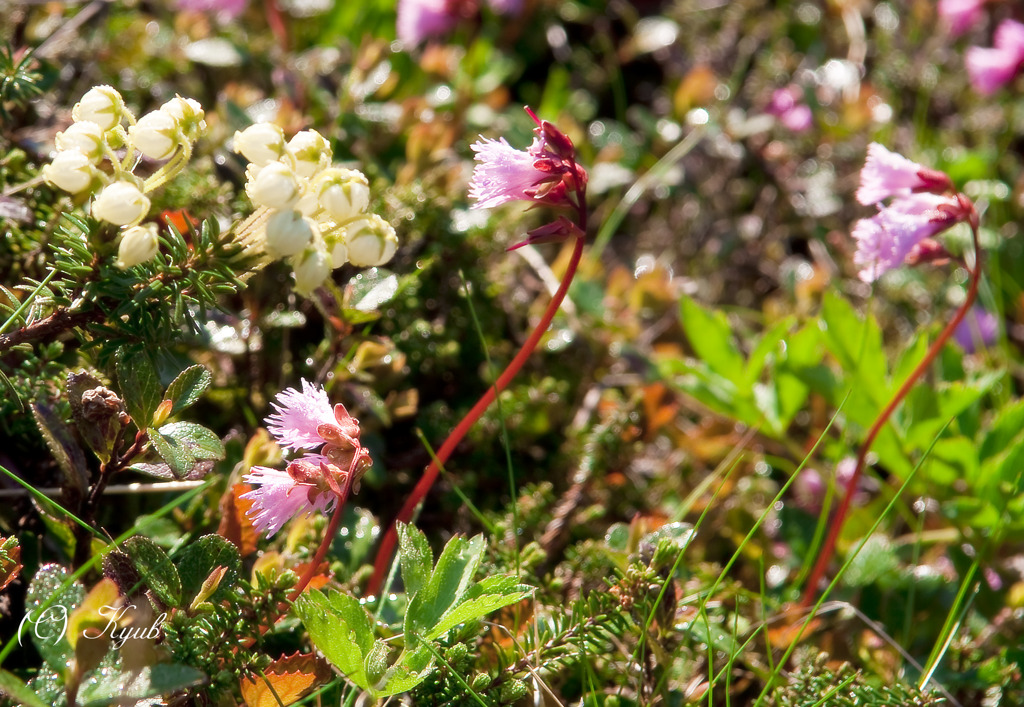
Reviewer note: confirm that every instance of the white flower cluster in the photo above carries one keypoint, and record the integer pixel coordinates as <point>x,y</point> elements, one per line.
<point>317,213</point>
<point>97,133</point>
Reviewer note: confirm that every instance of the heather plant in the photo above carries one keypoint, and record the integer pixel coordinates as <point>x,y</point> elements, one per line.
<point>717,342</point>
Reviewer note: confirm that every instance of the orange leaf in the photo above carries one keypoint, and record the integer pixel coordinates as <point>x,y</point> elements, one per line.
<point>291,678</point>
<point>11,566</point>
<point>235,525</point>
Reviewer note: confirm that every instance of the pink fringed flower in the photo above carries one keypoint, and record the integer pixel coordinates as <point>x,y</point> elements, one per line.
<point>887,174</point>
<point>279,498</point>
<point>504,173</point>
<point>418,20</point>
<point>960,15</point>
<point>991,69</point>
<point>886,239</point>
<point>314,482</point>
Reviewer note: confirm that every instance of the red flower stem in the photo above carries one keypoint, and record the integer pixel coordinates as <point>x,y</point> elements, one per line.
<point>387,546</point>
<point>325,544</point>
<point>828,548</point>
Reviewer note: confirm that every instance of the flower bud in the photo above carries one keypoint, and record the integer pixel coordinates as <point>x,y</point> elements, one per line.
<point>156,135</point>
<point>288,233</point>
<point>84,136</point>
<point>101,105</point>
<point>343,193</point>
<point>339,253</point>
<point>309,152</point>
<point>120,203</point>
<point>261,143</point>
<point>188,114</point>
<point>138,244</point>
<point>71,171</point>
<point>312,267</point>
<point>273,186</point>
<point>371,241</point>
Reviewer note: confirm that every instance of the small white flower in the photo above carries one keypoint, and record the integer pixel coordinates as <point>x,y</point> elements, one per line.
<point>343,193</point>
<point>339,253</point>
<point>188,114</point>
<point>273,186</point>
<point>309,152</point>
<point>84,136</point>
<point>138,244</point>
<point>120,203</point>
<point>156,135</point>
<point>261,143</point>
<point>102,105</point>
<point>71,171</point>
<point>288,233</point>
<point>371,241</point>
<point>312,267</point>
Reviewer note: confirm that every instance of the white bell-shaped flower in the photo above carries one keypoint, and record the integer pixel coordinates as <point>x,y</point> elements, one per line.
<point>188,114</point>
<point>288,233</point>
<point>71,171</point>
<point>138,244</point>
<point>311,267</point>
<point>309,152</point>
<point>342,193</point>
<point>84,136</point>
<point>121,203</point>
<point>274,186</point>
<point>102,105</point>
<point>371,241</point>
<point>261,143</point>
<point>156,135</point>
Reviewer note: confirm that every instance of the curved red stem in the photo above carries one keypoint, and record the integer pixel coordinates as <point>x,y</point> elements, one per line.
<point>387,545</point>
<point>325,544</point>
<point>828,548</point>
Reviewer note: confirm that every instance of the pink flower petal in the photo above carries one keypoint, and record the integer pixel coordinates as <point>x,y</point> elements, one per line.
<point>886,239</point>
<point>991,69</point>
<point>503,173</point>
<point>298,416</point>
<point>418,20</point>
<point>277,499</point>
<point>960,15</point>
<point>887,174</point>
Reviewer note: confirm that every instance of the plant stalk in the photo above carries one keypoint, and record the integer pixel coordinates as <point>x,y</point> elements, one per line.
<point>829,546</point>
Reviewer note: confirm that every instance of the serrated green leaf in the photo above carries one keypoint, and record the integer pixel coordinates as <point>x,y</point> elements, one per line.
<point>156,568</point>
<point>197,560</point>
<point>411,668</point>
<point>48,605</point>
<point>447,585</point>
<point>62,444</point>
<point>485,596</point>
<point>415,556</point>
<point>182,444</point>
<point>711,337</point>
<point>340,628</point>
<point>188,387</point>
<point>140,387</point>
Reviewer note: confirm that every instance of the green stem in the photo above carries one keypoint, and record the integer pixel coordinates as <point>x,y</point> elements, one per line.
<point>828,549</point>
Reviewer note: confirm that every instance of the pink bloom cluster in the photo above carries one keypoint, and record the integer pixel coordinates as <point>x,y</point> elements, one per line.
<point>787,105</point>
<point>960,15</point>
<point>991,68</point>
<point>306,421</point>
<point>419,20</point>
<point>922,206</point>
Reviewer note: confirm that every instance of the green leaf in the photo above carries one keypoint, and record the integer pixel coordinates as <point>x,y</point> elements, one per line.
<point>182,444</point>
<point>188,387</point>
<point>62,444</point>
<point>340,628</point>
<point>856,343</point>
<point>47,606</point>
<point>412,667</point>
<point>371,288</point>
<point>416,558</point>
<point>18,691</point>
<point>447,585</point>
<point>199,559</point>
<point>490,594</point>
<point>140,387</point>
<point>156,569</point>
<point>130,687</point>
<point>711,337</point>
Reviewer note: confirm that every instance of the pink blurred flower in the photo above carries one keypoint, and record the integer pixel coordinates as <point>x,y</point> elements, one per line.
<point>228,8</point>
<point>886,239</point>
<point>506,7</point>
<point>978,330</point>
<point>790,110</point>
<point>991,69</point>
<point>887,174</point>
<point>279,498</point>
<point>960,15</point>
<point>418,20</point>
